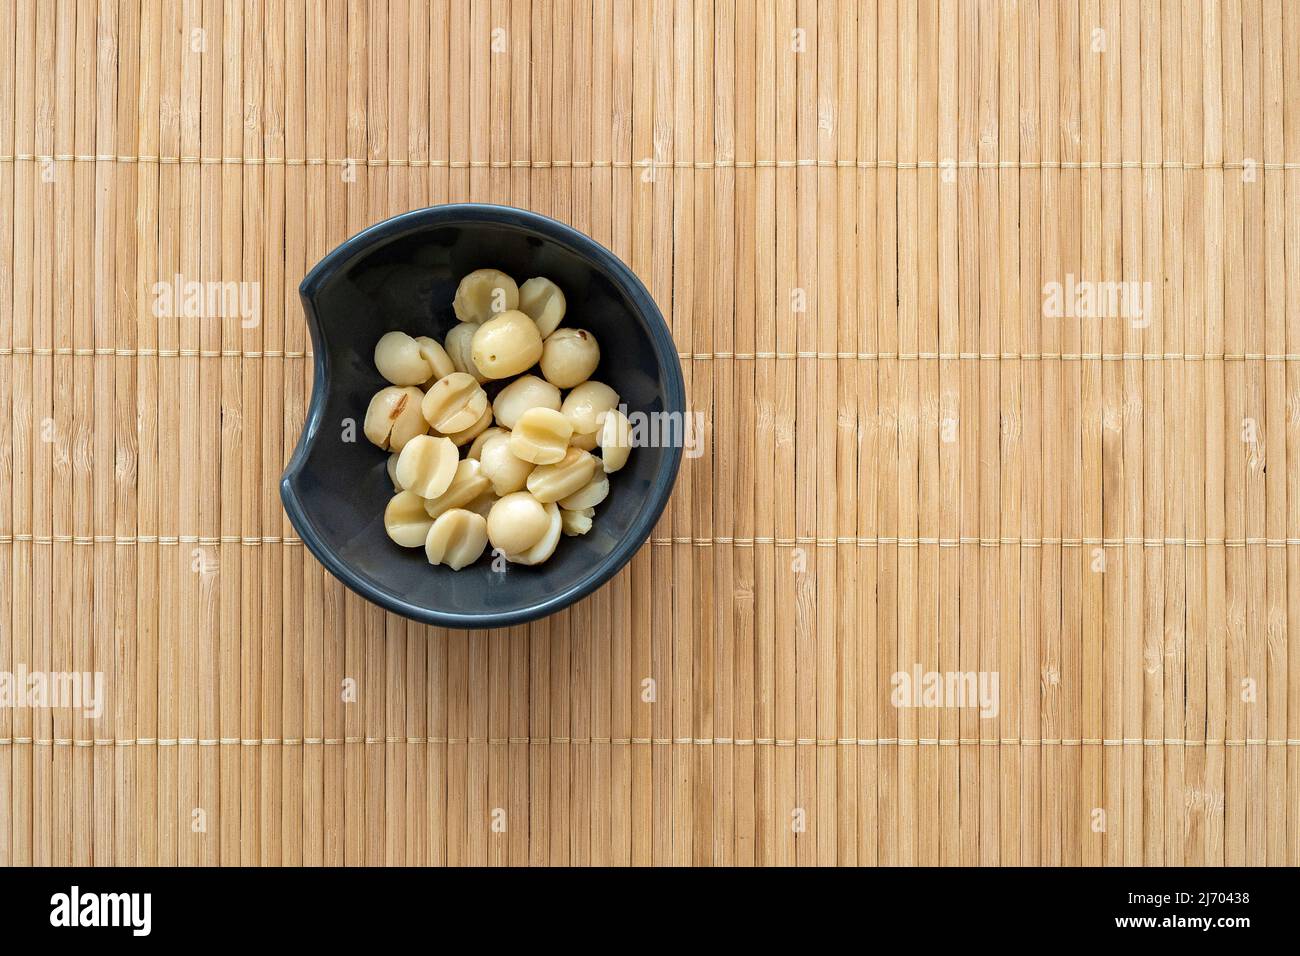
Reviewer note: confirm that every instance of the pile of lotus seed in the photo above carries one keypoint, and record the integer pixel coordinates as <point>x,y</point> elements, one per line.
<point>529,474</point>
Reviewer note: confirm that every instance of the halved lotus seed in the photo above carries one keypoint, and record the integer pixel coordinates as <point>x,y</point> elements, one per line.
<point>585,405</point>
<point>454,403</point>
<point>393,417</point>
<point>400,359</point>
<point>525,392</point>
<point>569,356</point>
<point>405,519</point>
<point>543,302</point>
<point>576,522</point>
<point>485,293</point>
<point>541,436</point>
<point>565,477</point>
<point>506,471</point>
<point>456,538</point>
<point>545,546</point>
<point>458,349</point>
<point>392,471</point>
<point>517,522</point>
<point>506,345</point>
<point>466,485</point>
<point>590,495</point>
<point>464,437</point>
<point>615,440</point>
<point>427,465</point>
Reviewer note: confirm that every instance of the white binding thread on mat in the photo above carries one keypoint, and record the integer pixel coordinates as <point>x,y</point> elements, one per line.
<point>155,353</point>
<point>396,162</point>
<point>648,741</point>
<point>704,542</point>
<point>728,356</point>
<point>882,540</point>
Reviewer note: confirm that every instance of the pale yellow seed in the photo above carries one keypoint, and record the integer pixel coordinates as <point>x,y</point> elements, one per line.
<point>517,522</point>
<point>576,522</point>
<point>437,358</point>
<point>476,449</point>
<point>405,519</point>
<point>393,417</point>
<point>585,405</point>
<point>565,477</point>
<point>456,538</point>
<point>525,392</point>
<point>615,440</point>
<point>541,436</point>
<point>506,471</point>
<point>590,495</point>
<point>459,340</point>
<point>484,293</point>
<point>454,403</point>
<point>466,486</point>
<point>545,546</point>
<point>483,503</point>
<point>569,356</point>
<point>506,345</point>
<point>543,302</point>
<point>539,442</point>
<point>427,465</point>
<point>585,442</point>
<point>462,438</point>
<point>400,360</point>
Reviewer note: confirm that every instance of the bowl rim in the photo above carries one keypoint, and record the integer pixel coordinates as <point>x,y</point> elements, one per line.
<point>643,304</point>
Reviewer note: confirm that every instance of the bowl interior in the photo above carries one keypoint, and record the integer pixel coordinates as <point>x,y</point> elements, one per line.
<point>404,277</point>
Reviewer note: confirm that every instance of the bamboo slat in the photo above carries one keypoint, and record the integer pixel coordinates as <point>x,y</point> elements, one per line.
<point>922,454</point>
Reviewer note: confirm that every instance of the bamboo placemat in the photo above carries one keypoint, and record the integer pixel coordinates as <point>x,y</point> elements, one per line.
<point>852,215</point>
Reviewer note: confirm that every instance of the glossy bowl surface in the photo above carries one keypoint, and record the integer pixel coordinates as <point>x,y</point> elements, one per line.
<point>402,274</point>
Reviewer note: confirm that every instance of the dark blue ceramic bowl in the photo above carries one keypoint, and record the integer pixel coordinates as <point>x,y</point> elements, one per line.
<point>402,274</point>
